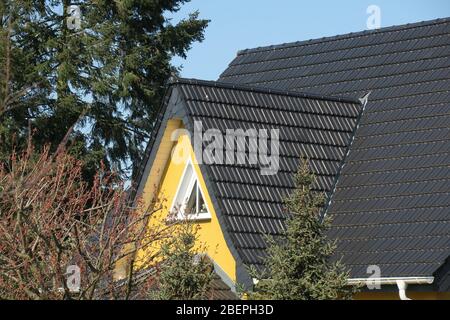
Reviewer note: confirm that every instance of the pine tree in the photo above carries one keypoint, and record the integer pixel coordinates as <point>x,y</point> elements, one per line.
<point>186,272</point>
<point>298,265</point>
<point>108,75</point>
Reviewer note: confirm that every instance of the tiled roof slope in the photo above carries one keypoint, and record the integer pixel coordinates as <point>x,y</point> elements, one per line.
<point>250,203</point>
<point>392,203</point>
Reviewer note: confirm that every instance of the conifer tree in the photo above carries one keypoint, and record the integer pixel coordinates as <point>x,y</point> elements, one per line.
<point>102,64</point>
<point>298,264</point>
<point>185,272</point>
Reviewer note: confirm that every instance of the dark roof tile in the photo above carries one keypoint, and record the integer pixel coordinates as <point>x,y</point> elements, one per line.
<point>392,197</point>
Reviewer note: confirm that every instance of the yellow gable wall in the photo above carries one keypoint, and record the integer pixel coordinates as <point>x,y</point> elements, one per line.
<point>169,173</point>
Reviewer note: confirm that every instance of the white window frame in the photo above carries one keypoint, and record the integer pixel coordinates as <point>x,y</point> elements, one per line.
<point>184,195</point>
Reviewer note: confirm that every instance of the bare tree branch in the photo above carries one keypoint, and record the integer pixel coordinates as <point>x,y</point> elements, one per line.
<point>51,219</point>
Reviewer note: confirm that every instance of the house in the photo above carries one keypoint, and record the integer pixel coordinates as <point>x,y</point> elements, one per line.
<point>371,110</point>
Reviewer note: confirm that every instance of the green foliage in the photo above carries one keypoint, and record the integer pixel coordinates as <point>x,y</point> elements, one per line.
<point>298,262</point>
<point>186,272</point>
<point>112,71</point>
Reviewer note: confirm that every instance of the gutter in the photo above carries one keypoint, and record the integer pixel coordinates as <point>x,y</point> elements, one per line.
<point>401,282</point>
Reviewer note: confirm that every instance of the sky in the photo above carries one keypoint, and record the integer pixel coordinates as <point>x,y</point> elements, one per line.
<point>242,24</point>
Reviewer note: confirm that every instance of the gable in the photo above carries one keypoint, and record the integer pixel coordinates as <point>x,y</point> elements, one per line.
<point>392,200</point>
<point>162,181</point>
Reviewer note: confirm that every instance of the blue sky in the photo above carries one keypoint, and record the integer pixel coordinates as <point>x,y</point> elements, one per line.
<point>241,24</point>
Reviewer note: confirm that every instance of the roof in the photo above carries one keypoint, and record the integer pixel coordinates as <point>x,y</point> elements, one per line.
<point>314,126</point>
<point>392,201</point>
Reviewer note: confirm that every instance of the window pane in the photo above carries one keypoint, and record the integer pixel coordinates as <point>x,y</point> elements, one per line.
<point>191,202</point>
<point>183,192</point>
<point>201,203</point>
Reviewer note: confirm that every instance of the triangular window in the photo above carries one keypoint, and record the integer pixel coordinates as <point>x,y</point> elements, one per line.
<point>189,201</point>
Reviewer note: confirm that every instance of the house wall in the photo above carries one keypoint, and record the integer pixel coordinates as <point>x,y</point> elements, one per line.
<point>164,178</point>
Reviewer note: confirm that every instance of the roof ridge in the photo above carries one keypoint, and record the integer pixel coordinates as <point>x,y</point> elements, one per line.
<point>256,89</point>
<point>344,36</point>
